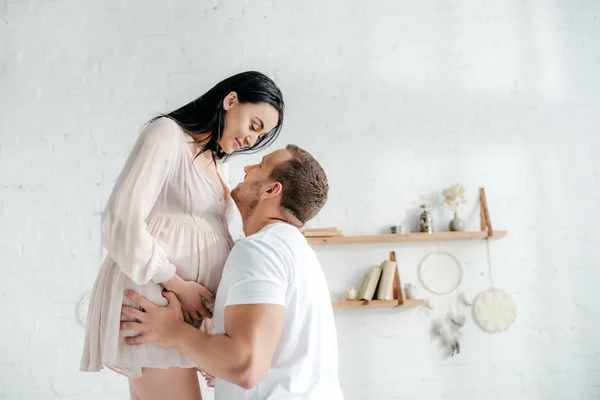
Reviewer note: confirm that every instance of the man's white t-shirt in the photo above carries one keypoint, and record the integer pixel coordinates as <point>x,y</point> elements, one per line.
<point>277,266</point>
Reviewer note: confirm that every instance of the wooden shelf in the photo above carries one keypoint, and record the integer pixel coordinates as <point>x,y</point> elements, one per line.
<point>407,238</point>
<point>377,303</point>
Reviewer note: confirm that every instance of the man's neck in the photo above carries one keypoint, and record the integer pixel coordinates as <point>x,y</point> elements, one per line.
<point>256,222</point>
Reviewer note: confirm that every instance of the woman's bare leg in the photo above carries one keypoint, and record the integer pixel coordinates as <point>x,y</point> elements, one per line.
<point>168,384</point>
<point>132,393</point>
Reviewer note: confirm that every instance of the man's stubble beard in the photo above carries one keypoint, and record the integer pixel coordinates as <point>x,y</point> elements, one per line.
<point>246,202</point>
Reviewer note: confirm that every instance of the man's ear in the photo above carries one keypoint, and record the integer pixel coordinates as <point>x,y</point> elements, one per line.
<point>273,189</point>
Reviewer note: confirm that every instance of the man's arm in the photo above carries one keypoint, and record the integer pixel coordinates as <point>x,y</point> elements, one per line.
<point>242,356</point>
<point>257,280</point>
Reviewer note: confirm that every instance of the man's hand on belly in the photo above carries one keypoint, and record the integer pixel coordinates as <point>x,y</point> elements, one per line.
<point>157,325</point>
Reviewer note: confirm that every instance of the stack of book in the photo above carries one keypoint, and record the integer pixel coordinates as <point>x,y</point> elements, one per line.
<point>322,232</point>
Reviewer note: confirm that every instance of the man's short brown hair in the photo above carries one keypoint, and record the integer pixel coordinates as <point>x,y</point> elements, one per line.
<point>304,183</point>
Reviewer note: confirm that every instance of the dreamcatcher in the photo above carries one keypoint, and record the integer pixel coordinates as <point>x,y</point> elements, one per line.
<point>440,273</point>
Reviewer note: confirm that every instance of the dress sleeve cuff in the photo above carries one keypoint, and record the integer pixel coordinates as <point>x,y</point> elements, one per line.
<point>164,273</point>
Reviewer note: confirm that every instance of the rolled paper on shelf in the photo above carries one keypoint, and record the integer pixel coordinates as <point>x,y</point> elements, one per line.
<point>386,282</point>
<point>369,284</point>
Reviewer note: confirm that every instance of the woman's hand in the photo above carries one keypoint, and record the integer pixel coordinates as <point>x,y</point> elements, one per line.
<point>191,294</point>
<point>210,380</point>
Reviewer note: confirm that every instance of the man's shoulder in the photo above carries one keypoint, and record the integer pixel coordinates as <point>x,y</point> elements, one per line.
<point>277,242</point>
<point>273,236</point>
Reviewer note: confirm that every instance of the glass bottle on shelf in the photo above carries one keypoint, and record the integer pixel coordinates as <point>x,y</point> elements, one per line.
<point>425,220</point>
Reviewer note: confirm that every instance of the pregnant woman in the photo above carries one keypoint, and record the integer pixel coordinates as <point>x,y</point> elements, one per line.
<point>165,227</point>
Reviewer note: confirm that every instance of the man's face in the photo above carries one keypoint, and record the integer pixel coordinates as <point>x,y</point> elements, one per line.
<point>247,194</point>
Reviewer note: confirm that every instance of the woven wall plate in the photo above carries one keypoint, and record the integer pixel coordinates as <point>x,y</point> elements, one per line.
<point>494,310</point>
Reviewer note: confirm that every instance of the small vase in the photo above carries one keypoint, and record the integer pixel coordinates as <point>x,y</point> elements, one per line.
<point>456,224</point>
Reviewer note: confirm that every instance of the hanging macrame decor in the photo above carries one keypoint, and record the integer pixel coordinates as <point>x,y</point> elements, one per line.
<point>494,309</point>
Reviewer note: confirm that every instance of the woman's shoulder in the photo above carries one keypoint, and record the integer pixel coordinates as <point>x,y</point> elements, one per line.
<point>161,127</point>
<point>161,131</point>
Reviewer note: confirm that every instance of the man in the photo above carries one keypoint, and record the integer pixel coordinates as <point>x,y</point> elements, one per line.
<point>276,336</point>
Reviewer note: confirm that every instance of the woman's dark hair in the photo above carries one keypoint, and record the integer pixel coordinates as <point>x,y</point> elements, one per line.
<point>206,113</point>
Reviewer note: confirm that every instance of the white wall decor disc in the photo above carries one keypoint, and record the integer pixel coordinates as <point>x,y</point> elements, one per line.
<point>494,310</point>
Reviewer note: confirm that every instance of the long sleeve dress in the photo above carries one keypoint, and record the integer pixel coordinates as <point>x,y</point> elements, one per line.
<point>164,216</point>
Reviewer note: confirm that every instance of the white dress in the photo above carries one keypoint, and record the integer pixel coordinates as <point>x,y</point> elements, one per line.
<point>164,216</point>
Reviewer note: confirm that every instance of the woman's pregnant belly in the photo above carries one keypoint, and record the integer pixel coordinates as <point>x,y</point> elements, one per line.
<point>198,247</point>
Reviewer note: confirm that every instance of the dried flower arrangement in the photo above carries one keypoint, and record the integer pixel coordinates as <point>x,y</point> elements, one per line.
<point>454,196</point>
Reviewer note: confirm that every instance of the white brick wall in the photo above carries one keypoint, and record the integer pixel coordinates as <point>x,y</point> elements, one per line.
<point>396,98</point>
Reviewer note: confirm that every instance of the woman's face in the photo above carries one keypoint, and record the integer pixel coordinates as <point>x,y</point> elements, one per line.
<point>245,123</point>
